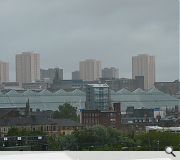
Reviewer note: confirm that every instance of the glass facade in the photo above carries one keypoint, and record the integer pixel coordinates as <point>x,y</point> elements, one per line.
<point>46,100</point>
<point>97,96</point>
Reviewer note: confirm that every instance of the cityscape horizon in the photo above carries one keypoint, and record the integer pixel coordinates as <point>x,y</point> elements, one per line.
<point>68,75</point>
<point>83,75</point>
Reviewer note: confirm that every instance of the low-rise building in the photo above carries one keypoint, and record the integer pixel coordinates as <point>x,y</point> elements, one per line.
<point>35,85</point>
<point>68,84</point>
<point>171,88</point>
<point>11,85</point>
<point>75,75</point>
<point>50,73</point>
<point>163,129</point>
<point>130,84</point>
<point>142,115</point>
<point>110,73</point>
<point>108,118</point>
<point>14,112</point>
<point>33,123</point>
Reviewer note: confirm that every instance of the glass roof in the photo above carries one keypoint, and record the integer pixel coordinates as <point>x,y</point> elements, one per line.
<point>46,100</point>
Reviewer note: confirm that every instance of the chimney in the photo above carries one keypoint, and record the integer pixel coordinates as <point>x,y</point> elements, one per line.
<point>117,109</point>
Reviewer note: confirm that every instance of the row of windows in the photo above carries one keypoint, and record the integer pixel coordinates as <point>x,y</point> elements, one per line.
<point>91,121</point>
<point>91,114</point>
<point>39,128</point>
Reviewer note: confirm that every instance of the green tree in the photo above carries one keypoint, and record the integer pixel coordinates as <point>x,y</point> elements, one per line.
<point>101,138</point>
<point>155,140</point>
<point>68,142</point>
<point>66,111</point>
<point>53,143</point>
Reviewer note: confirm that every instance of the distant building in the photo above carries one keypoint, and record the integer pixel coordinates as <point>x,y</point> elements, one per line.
<point>109,118</point>
<point>50,73</point>
<point>4,71</point>
<point>136,119</point>
<point>170,121</point>
<point>36,85</point>
<point>12,112</point>
<point>110,73</point>
<point>43,124</point>
<point>172,88</point>
<point>163,129</point>
<point>11,85</point>
<point>130,84</point>
<point>90,70</point>
<point>24,119</point>
<point>27,67</point>
<point>68,85</point>
<point>142,115</point>
<point>65,84</point>
<point>75,75</point>
<point>144,65</point>
<point>97,97</point>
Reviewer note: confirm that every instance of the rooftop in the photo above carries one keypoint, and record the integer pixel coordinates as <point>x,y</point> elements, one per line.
<point>47,100</point>
<point>37,120</point>
<point>98,85</point>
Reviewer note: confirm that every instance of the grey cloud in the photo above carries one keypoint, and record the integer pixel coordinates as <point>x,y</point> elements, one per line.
<point>65,32</point>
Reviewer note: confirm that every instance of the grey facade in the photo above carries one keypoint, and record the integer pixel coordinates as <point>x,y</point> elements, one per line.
<point>75,75</point>
<point>130,84</point>
<point>35,85</point>
<point>171,88</point>
<point>50,73</point>
<point>110,73</point>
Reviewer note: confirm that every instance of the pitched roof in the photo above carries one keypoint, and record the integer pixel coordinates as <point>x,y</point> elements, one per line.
<point>45,92</point>
<point>4,111</point>
<point>123,91</point>
<point>37,120</point>
<point>77,92</point>
<point>29,92</point>
<point>60,92</point>
<point>155,91</point>
<point>139,91</point>
<point>12,92</point>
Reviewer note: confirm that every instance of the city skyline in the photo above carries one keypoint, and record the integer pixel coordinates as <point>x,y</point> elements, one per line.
<point>67,32</point>
<point>70,74</point>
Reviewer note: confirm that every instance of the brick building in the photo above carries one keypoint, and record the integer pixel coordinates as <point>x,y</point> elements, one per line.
<point>109,118</point>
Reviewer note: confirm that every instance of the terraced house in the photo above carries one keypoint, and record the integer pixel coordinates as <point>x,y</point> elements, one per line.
<point>50,126</point>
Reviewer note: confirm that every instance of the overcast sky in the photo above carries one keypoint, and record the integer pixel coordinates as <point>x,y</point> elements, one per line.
<point>65,32</point>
